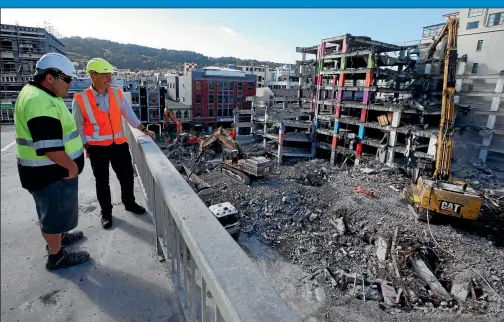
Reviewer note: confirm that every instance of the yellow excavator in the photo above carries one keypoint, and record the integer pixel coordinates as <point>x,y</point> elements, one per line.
<point>234,163</point>
<point>441,194</point>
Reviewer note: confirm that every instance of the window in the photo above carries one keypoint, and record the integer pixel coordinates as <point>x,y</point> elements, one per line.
<point>239,100</point>
<point>186,115</point>
<point>210,112</point>
<point>472,25</point>
<point>198,98</point>
<point>178,114</point>
<point>198,113</point>
<point>239,86</point>
<point>211,85</point>
<point>475,68</point>
<point>475,13</point>
<point>231,99</point>
<point>480,45</point>
<point>198,85</point>
<point>495,19</point>
<point>183,99</point>
<point>219,99</point>
<point>219,112</point>
<point>210,99</point>
<point>470,87</point>
<point>251,86</point>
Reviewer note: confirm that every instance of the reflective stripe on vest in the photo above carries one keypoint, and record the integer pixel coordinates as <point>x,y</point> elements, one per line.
<point>111,130</point>
<point>48,143</point>
<point>31,103</point>
<point>44,162</point>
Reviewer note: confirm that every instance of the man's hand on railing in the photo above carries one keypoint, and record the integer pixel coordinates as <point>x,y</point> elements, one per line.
<point>150,133</point>
<point>146,131</point>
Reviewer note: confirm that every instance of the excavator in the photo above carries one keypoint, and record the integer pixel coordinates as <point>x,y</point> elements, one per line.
<point>181,138</point>
<point>441,194</point>
<point>234,162</point>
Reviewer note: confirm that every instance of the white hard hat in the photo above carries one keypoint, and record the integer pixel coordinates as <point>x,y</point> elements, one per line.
<point>56,61</point>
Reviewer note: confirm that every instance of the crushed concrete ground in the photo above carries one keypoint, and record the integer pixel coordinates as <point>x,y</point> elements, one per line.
<point>352,226</point>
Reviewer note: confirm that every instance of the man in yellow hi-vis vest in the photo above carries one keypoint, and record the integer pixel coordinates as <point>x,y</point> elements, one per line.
<point>50,156</point>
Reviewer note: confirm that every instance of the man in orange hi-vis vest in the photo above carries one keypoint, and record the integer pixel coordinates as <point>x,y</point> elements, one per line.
<point>97,112</point>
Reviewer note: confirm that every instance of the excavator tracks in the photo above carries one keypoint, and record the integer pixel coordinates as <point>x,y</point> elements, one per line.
<point>235,174</point>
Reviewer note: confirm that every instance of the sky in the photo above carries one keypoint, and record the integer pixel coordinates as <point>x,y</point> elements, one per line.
<point>262,34</point>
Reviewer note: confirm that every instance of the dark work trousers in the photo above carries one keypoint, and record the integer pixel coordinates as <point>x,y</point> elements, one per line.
<point>119,156</point>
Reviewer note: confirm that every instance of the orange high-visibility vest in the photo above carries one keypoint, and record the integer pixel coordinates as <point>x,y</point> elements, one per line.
<point>99,127</point>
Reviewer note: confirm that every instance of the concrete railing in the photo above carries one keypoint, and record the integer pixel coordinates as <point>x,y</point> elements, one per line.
<point>202,256</point>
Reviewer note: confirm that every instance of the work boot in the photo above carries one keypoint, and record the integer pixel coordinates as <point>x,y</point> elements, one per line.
<point>135,208</point>
<point>69,238</point>
<point>66,259</point>
<point>106,219</point>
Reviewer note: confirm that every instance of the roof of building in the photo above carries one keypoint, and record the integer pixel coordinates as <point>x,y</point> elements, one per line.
<point>177,105</point>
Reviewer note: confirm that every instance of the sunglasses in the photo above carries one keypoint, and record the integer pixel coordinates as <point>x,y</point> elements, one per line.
<point>64,78</point>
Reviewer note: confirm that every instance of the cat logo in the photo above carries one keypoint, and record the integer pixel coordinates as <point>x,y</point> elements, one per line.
<point>450,206</point>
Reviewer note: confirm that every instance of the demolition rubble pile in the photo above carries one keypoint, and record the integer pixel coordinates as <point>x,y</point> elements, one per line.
<point>352,231</point>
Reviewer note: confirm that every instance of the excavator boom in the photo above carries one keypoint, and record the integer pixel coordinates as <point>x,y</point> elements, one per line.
<point>441,194</point>
<point>169,115</point>
<point>221,136</point>
<point>446,127</point>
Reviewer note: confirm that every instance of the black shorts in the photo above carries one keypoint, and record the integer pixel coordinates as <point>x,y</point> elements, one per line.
<point>58,206</point>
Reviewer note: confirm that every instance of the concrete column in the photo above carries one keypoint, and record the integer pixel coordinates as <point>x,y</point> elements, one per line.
<point>492,118</point>
<point>391,143</point>
<point>314,137</point>
<point>265,128</point>
<point>370,62</point>
<point>334,142</point>
<point>396,119</point>
<point>280,142</point>
<point>392,139</point>
<point>301,77</point>
<point>398,83</point>
<point>428,68</point>
<point>431,150</point>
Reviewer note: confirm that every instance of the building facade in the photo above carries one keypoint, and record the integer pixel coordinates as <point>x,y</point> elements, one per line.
<point>481,38</point>
<point>20,49</point>
<point>182,112</point>
<point>214,93</point>
<point>172,87</point>
<point>263,73</point>
<point>479,86</point>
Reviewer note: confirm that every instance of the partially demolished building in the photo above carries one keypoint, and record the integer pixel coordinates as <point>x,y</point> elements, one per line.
<point>361,97</point>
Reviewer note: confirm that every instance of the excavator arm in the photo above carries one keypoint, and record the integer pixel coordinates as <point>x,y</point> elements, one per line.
<point>169,115</point>
<point>446,127</point>
<point>220,136</point>
<point>432,48</point>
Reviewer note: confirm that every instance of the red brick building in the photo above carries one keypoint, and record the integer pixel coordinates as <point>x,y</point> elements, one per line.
<point>214,93</point>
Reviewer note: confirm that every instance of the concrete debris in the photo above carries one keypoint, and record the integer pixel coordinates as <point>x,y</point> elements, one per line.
<point>382,248</point>
<point>426,274</point>
<point>339,224</point>
<point>309,212</point>
<point>462,283</point>
<point>367,170</point>
<point>389,293</point>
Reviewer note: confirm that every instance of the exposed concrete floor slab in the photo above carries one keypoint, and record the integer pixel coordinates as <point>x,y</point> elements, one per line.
<point>122,282</point>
